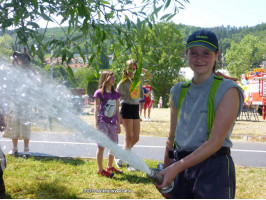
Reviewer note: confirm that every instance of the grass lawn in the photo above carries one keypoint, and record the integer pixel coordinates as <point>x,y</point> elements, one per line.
<point>46,178</point>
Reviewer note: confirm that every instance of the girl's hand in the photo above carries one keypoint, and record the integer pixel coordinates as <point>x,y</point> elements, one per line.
<point>169,175</point>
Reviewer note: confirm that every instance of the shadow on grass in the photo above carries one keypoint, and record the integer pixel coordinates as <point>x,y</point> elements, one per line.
<point>67,160</point>
<point>54,191</point>
<point>47,191</point>
<point>70,161</point>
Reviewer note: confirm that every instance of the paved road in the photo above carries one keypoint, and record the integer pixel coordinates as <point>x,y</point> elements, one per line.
<point>72,145</point>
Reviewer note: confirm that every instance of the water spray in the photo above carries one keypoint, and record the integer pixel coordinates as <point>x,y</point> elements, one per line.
<point>20,87</point>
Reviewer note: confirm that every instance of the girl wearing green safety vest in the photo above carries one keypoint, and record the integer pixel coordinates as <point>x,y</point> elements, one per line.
<point>203,113</point>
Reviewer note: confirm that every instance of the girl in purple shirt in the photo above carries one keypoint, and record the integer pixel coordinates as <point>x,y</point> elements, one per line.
<point>106,115</point>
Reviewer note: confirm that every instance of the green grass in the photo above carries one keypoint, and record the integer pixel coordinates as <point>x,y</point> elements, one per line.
<point>72,178</point>
<point>46,178</point>
<point>61,178</point>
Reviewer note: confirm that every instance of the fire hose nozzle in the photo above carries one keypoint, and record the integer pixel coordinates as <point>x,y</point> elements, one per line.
<point>155,176</point>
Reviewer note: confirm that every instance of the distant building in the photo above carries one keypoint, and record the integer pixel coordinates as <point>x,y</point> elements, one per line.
<point>75,63</point>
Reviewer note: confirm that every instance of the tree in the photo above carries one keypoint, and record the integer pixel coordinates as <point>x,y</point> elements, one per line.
<point>59,74</point>
<point>161,48</point>
<point>87,78</point>
<point>5,47</point>
<point>86,17</point>
<point>242,56</point>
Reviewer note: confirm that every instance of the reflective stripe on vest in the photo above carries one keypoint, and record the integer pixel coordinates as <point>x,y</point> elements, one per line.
<point>215,84</point>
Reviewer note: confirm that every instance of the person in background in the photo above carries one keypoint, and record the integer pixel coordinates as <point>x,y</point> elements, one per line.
<point>160,104</point>
<point>148,101</point>
<point>18,121</point>
<point>130,98</point>
<point>244,79</point>
<point>141,103</point>
<point>106,113</point>
<point>152,99</point>
<point>203,167</point>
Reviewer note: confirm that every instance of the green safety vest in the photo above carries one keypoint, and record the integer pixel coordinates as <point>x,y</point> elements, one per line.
<point>215,84</point>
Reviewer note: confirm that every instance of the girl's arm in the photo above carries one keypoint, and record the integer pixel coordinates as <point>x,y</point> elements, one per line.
<point>118,116</point>
<point>223,121</point>
<point>96,111</point>
<point>171,137</point>
<point>120,88</point>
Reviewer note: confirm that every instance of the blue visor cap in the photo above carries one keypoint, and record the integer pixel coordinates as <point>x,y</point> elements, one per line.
<point>203,38</point>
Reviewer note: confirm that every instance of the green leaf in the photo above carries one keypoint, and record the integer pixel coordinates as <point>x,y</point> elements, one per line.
<point>32,49</point>
<point>136,78</point>
<point>134,85</point>
<point>103,35</point>
<point>77,37</point>
<point>119,31</point>
<point>170,17</point>
<point>128,23</point>
<point>81,54</point>
<point>105,2</point>
<point>123,80</point>
<point>138,24</point>
<point>120,41</point>
<point>165,16</point>
<point>156,10</point>
<point>99,15</point>
<point>71,76</point>
<point>16,20</point>
<point>35,3</point>
<point>40,52</point>
<point>42,8</point>
<point>91,59</point>
<point>149,58</point>
<point>167,4</point>
<point>63,20</point>
<point>33,24</point>
<point>45,17</point>
<point>68,60</point>
<point>117,53</point>
<point>63,56</point>
<point>149,23</point>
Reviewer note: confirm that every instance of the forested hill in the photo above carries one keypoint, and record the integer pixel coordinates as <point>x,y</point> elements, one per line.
<point>228,34</point>
<point>225,34</point>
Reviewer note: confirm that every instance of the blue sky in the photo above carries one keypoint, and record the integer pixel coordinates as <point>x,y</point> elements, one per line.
<point>211,13</point>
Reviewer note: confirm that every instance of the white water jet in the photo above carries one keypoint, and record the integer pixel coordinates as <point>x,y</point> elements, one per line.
<point>24,88</point>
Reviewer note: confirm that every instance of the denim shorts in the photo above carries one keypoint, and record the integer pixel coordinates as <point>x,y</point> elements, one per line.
<point>109,130</point>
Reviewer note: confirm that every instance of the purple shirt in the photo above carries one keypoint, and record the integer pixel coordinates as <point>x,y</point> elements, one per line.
<point>107,112</point>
